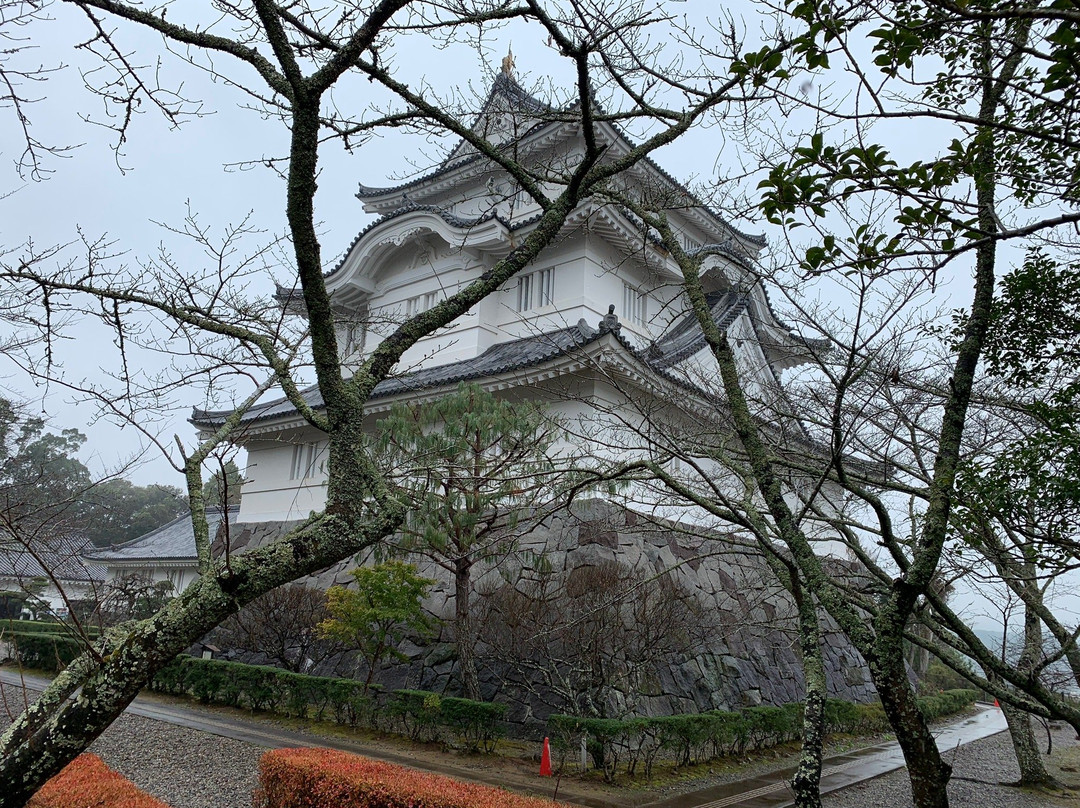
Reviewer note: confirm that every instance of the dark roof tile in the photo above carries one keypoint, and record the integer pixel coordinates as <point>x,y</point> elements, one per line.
<point>62,556</point>
<point>174,541</point>
<point>506,356</point>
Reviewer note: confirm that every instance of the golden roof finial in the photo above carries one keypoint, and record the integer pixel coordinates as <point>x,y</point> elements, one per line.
<point>508,63</point>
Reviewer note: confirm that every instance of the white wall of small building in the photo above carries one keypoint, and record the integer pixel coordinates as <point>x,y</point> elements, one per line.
<point>180,574</point>
<point>55,595</point>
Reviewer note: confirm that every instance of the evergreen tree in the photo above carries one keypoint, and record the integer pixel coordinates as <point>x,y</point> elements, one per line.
<point>117,510</point>
<point>42,484</point>
<point>475,466</point>
<point>223,488</point>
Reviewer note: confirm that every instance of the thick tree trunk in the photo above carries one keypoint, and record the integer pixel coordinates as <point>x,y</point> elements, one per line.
<point>463,628</point>
<point>1032,770</point>
<point>883,648</point>
<point>928,773</point>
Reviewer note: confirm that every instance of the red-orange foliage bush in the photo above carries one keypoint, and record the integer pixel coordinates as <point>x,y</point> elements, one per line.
<point>317,778</point>
<point>87,782</point>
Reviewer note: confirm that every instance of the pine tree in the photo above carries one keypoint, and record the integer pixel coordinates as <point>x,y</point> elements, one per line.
<point>476,466</point>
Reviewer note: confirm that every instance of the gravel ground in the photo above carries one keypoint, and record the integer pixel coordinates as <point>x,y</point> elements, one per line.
<point>989,761</point>
<point>184,767</point>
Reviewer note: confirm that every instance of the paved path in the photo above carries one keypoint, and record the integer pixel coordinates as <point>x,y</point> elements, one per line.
<point>769,790</point>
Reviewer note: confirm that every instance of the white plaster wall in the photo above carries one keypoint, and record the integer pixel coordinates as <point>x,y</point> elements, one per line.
<point>52,594</point>
<point>180,576</point>
<point>269,493</point>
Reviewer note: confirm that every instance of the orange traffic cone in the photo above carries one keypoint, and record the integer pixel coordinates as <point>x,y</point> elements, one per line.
<point>545,760</point>
<point>996,704</point>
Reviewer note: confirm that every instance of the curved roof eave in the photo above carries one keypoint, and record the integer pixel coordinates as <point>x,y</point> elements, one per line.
<point>171,535</point>
<point>502,357</point>
<point>451,219</point>
<point>504,86</point>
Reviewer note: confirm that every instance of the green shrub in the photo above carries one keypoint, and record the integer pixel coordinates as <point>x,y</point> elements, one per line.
<point>50,652</point>
<point>841,716</point>
<point>419,712</point>
<point>45,627</point>
<point>564,731</point>
<point>11,605</point>
<point>476,723</point>
<point>872,718</point>
<point>730,732</point>
<point>939,677</point>
<point>259,687</point>
<point>606,743</point>
<point>352,703</point>
<point>767,726</point>
<point>947,703</point>
<point>648,745</point>
<point>689,736</point>
<point>794,712</point>
<point>699,737</point>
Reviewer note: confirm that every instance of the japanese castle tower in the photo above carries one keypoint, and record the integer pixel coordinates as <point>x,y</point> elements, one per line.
<point>599,330</point>
<point>597,327</point>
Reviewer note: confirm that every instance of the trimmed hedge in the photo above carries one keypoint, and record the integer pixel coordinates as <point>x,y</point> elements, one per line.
<point>261,687</point>
<point>42,644</point>
<point>317,778</point>
<point>50,652</point>
<point>477,723</point>
<point>418,711</point>
<point>701,737</point>
<point>43,627</point>
<point>87,782</point>
<point>423,714</point>
<point>946,703</point>
<point>420,714</point>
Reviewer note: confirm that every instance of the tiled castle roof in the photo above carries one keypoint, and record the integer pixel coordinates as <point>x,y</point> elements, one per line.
<point>683,339</point>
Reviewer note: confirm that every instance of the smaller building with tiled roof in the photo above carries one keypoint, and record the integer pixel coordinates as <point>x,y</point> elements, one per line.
<point>56,570</point>
<point>166,553</point>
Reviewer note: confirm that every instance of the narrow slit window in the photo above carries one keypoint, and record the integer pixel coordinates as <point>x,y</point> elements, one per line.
<point>635,305</point>
<point>305,461</point>
<point>536,290</point>
<point>524,298</point>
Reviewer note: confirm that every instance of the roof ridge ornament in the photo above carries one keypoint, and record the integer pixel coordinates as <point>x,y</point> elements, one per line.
<point>508,62</point>
<point>585,331</point>
<point>610,324</point>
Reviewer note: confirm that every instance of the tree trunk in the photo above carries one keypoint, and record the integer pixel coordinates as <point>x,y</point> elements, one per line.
<point>929,774</point>
<point>1032,770</point>
<point>40,742</point>
<point>466,641</point>
<point>883,648</point>
<point>806,782</point>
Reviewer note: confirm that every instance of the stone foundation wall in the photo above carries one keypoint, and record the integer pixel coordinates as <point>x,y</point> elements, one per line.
<point>748,655</point>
